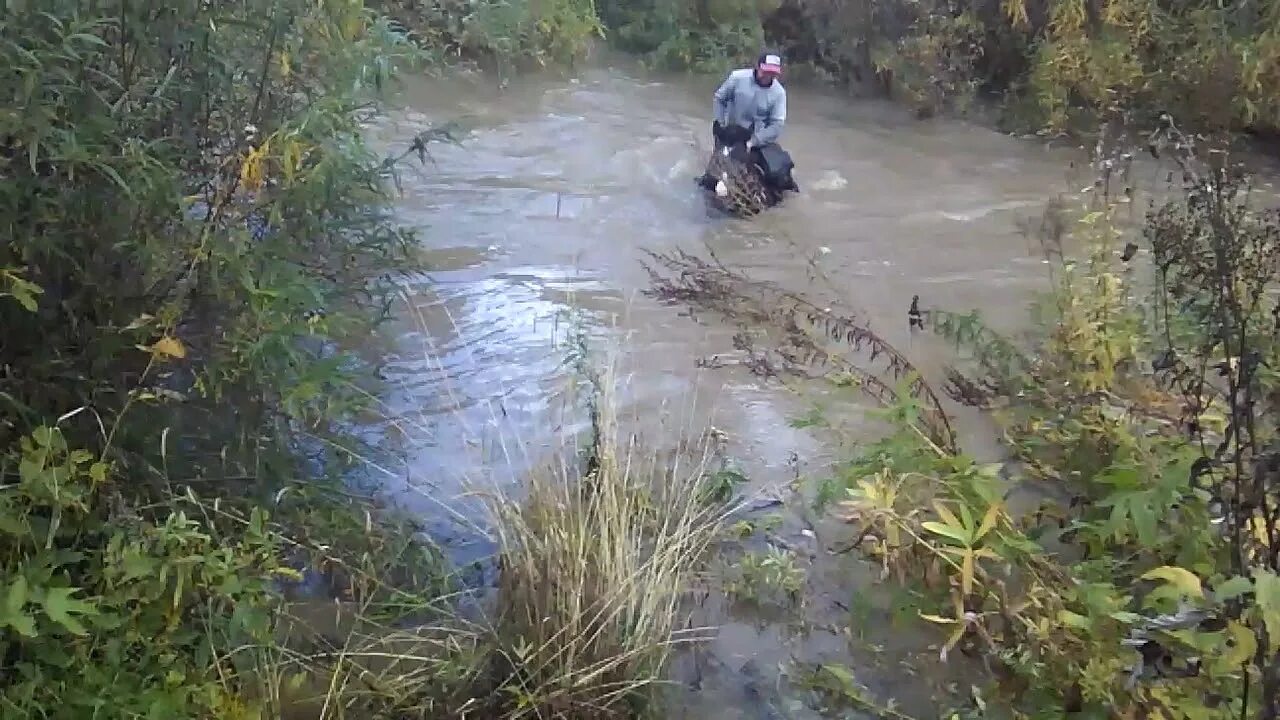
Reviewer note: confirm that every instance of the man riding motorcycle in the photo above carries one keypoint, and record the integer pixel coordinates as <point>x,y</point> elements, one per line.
<point>752,101</point>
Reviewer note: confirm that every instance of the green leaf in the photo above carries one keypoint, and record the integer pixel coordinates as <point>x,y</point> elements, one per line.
<point>1144,522</point>
<point>16,598</point>
<point>22,624</point>
<point>947,531</point>
<point>59,606</point>
<point>136,564</point>
<point>1232,588</point>
<point>1075,620</point>
<point>12,615</point>
<point>24,292</point>
<point>1268,595</point>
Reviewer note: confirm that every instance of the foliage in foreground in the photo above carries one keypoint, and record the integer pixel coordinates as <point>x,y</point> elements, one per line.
<point>191,226</point>
<point>1148,582</point>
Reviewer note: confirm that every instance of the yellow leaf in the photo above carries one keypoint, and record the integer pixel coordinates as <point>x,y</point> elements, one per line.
<point>288,572</point>
<point>938,619</point>
<point>966,573</point>
<point>951,641</point>
<point>947,516</point>
<point>1180,578</point>
<point>251,171</point>
<point>1066,617</point>
<point>1242,648</point>
<point>292,159</point>
<point>988,521</point>
<point>168,347</point>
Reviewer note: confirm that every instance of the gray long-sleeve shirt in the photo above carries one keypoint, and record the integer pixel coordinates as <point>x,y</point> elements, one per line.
<point>740,100</point>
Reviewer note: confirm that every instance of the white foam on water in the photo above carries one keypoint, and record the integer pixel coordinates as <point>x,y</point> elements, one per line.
<point>830,180</point>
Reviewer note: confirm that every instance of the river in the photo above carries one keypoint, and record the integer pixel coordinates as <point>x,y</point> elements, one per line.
<point>546,205</point>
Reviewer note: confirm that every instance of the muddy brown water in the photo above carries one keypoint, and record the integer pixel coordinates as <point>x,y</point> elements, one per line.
<point>558,185</point>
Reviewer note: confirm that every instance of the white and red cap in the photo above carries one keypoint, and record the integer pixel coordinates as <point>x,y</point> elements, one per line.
<point>770,63</point>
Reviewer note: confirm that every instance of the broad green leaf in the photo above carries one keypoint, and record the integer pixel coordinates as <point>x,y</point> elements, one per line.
<point>21,624</point>
<point>1268,594</point>
<point>1232,588</point>
<point>59,606</point>
<point>16,598</point>
<point>1184,580</point>
<point>1144,521</point>
<point>137,565</point>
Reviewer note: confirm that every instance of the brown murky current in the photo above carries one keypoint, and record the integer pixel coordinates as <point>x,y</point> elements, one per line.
<point>545,207</point>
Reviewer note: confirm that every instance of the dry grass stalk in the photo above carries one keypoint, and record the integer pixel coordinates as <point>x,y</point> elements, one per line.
<point>593,573</point>
<point>801,330</point>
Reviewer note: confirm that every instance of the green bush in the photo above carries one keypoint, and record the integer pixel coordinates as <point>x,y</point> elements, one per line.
<point>509,32</point>
<point>676,34</point>
<point>1061,64</point>
<point>192,225</point>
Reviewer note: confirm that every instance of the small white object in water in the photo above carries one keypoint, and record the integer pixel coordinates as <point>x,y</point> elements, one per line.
<point>722,190</point>
<point>824,249</point>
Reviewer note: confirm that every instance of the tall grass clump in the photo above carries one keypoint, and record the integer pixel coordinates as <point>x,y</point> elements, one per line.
<point>594,569</point>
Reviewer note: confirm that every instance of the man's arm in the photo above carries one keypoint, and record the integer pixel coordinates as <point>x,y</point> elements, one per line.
<point>723,98</point>
<point>773,126</point>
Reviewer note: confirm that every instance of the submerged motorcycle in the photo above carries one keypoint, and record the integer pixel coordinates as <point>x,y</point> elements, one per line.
<point>743,182</point>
